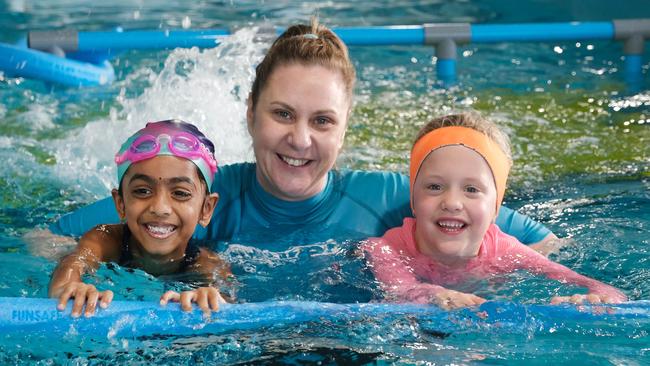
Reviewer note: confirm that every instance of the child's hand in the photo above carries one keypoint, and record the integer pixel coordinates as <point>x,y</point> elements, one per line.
<point>450,299</point>
<point>207,298</point>
<point>590,298</point>
<point>83,294</point>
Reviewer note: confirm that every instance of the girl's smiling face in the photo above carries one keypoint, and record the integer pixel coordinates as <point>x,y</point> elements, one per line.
<point>163,199</point>
<point>454,198</point>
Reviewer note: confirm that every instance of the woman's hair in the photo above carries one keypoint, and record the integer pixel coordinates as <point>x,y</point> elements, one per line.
<point>307,45</point>
<point>474,121</point>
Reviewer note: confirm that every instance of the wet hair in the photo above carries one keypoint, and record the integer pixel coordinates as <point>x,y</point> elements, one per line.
<point>475,121</point>
<point>307,45</point>
<point>175,125</point>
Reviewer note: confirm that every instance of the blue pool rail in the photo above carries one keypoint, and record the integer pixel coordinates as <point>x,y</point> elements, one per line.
<point>445,37</point>
<point>73,41</point>
<point>37,316</point>
<point>634,33</point>
<point>427,34</point>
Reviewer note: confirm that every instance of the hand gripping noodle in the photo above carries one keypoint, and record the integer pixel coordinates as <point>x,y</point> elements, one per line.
<point>470,138</point>
<point>164,138</point>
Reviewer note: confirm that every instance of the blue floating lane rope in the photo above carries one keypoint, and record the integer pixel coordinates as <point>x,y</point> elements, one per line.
<point>18,61</point>
<point>135,319</point>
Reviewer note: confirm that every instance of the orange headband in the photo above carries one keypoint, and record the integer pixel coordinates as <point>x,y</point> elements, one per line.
<point>468,137</point>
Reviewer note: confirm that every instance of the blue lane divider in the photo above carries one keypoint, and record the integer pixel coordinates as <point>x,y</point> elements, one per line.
<point>527,32</point>
<point>352,36</point>
<point>133,319</point>
<point>132,40</point>
<point>69,70</point>
<point>17,61</point>
<point>633,67</point>
<point>394,35</point>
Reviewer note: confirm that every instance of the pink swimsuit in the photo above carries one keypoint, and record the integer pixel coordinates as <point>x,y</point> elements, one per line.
<point>408,275</point>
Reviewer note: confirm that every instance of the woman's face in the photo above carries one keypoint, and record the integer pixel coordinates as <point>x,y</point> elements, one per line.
<point>298,127</point>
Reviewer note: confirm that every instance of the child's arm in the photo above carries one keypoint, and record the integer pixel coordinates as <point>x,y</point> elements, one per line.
<point>598,292</point>
<point>208,298</point>
<point>401,284</point>
<point>525,258</point>
<point>100,244</point>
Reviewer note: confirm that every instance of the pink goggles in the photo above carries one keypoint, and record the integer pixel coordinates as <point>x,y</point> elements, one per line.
<point>181,144</point>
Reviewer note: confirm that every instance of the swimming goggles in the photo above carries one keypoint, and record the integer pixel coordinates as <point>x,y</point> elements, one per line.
<point>181,144</point>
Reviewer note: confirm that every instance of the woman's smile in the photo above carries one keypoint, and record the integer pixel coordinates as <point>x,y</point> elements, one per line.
<point>294,162</point>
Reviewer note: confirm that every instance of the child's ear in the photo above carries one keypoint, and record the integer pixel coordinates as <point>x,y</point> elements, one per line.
<point>119,204</point>
<point>209,203</point>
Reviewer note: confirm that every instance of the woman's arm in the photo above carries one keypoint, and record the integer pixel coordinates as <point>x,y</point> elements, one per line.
<point>82,220</point>
<point>522,227</point>
<point>100,244</point>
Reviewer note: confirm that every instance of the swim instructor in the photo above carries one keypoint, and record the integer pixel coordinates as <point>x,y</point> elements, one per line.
<point>297,115</point>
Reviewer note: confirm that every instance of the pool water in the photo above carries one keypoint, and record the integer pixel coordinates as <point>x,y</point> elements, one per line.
<point>581,140</point>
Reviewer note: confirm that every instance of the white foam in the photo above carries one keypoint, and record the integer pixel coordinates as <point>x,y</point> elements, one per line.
<point>39,116</point>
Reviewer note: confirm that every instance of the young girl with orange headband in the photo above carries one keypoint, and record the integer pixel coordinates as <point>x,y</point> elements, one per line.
<point>458,173</point>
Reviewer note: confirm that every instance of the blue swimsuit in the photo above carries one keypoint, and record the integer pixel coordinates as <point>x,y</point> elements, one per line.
<point>354,205</point>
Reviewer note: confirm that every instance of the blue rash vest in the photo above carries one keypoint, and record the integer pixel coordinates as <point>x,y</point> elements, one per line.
<point>354,205</point>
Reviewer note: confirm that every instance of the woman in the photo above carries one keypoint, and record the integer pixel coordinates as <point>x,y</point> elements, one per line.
<point>298,112</point>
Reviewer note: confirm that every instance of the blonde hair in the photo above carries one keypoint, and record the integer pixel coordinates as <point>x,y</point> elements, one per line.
<point>474,121</point>
<point>312,44</point>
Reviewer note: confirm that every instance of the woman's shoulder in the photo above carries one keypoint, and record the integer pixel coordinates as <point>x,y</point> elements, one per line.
<point>380,196</point>
<point>235,169</point>
<point>369,174</point>
<point>232,176</point>
<point>368,179</point>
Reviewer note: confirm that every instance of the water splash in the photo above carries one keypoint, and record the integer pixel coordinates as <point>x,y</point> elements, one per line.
<point>206,87</point>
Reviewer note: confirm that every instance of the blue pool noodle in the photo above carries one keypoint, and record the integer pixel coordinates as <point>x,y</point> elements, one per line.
<point>34,64</point>
<point>136,319</point>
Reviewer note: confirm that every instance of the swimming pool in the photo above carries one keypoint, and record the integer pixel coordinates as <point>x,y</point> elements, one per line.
<point>581,149</point>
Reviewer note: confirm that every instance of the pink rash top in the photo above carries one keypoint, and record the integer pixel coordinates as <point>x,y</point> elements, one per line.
<point>408,275</point>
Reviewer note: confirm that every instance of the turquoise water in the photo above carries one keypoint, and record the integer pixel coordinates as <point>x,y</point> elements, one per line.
<point>580,140</point>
